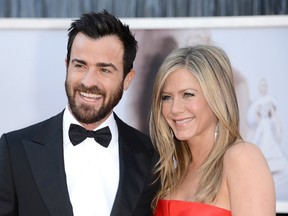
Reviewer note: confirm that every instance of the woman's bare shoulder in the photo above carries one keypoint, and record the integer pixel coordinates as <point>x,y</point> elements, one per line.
<point>243,151</point>
<point>243,158</point>
<point>249,180</point>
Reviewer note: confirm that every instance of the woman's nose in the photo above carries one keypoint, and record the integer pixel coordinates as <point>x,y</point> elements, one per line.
<point>177,106</point>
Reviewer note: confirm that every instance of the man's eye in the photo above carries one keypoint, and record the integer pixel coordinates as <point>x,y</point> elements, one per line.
<point>105,70</point>
<point>79,65</point>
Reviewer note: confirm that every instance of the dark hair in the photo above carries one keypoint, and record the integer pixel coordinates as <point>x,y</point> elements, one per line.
<point>97,25</point>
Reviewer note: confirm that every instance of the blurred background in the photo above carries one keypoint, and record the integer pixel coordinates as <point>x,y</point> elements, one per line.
<point>42,93</point>
<point>141,8</point>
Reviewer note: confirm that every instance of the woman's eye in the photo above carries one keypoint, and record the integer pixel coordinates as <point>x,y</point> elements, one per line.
<point>165,97</point>
<point>188,94</point>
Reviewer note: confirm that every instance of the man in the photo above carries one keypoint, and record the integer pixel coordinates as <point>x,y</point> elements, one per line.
<point>51,168</point>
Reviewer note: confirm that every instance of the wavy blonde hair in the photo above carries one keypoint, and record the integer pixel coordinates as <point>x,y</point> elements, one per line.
<point>211,66</point>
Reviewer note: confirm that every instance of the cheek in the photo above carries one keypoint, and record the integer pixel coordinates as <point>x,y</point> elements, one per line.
<point>196,108</point>
<point>73,78</point>
<point>68,77</point>
<point>165,110</point>
<point>69,74</point>
<point>199,105</point>
<point>207,114</point>
<point>112,86</point>
<point>69,82</point>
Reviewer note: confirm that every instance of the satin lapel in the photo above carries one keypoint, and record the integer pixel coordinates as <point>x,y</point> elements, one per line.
<point>133,171</point>
<point>45,154</point>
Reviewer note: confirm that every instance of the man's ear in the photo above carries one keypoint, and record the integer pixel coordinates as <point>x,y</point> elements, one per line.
<point>128,79</point>
<point>66,63</point>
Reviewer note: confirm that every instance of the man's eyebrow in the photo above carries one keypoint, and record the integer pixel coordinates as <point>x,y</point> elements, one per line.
<point>103,64</point>
<point>100,64</point>
<point>79,61</point>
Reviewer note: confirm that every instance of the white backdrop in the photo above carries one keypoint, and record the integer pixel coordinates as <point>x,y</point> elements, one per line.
<point>33,71</point>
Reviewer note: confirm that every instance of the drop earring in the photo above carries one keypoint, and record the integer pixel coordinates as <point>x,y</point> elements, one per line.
<point>171,133</point>
<point>216,131</point>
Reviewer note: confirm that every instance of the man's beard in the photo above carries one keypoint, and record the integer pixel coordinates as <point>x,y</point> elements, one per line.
<point>88,114</point>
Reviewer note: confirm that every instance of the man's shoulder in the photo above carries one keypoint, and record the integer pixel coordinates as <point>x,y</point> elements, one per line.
<point>52,122</point>
<point>132,134</point>
<point>125,127</point>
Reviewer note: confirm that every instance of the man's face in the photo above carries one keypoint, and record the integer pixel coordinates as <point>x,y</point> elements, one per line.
<point>94,80</point>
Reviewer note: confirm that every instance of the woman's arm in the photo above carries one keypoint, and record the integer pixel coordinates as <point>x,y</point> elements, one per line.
<point>249,180</point>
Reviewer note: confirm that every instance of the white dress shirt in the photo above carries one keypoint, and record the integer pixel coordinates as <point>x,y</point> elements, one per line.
<point>92,171</point>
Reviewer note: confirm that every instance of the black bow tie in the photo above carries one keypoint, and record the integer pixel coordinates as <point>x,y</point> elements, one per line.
<point>78,134</point>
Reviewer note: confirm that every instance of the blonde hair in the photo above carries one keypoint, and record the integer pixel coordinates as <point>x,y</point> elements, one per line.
<point>211,66</point>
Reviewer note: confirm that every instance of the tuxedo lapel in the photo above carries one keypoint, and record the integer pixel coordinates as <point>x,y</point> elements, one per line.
<point>45,155</point>
<point>133,171</point>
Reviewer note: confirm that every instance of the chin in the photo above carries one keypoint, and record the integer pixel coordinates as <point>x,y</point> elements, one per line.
<point>183,137</point>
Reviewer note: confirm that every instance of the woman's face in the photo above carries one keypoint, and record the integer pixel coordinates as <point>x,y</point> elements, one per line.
<point>185,108</point>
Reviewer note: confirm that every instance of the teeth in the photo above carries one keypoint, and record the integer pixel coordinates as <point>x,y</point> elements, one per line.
<point>89,95</point>
<point>183,121</point>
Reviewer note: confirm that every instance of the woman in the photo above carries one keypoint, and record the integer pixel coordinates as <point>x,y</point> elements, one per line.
<point>205,168</point>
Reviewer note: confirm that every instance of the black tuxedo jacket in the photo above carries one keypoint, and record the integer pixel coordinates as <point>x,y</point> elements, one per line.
<point>33,180</point>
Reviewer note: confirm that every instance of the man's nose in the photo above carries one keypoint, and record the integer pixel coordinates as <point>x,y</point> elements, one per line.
<point>91,77</point>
